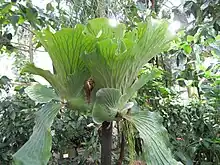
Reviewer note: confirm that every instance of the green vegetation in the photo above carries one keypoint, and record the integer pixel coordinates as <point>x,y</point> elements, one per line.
<point>119,93</point>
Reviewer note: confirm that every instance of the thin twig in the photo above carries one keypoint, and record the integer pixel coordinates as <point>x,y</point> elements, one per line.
<point>19,44</point>
<point>27,29</point>
<point>20,83</point>
<point>27,50</point>
<point>31,52</point>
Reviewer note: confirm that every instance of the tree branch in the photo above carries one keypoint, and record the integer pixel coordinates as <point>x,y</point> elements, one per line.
<point>31,52</point>
<point>27,29</point>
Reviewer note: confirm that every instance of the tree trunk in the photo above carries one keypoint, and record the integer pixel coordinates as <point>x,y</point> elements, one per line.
<point>106,143</point>
<point>106,133</point>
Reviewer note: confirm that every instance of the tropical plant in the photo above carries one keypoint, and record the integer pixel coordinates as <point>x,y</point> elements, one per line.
<point>113,57</point>
<point>120,58</point>
<point>182,65</point>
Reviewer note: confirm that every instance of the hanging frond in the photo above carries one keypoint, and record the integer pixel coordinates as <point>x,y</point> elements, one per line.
<point>155,137</point>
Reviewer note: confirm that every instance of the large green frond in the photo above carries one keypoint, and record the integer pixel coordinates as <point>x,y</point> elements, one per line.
<point>31,68</point>
<point>103,28</point>
<point>41,94</point>
<point>116,61</point>
<point>143,79</point>
<point>74,96</point>
<point>37,150</point>
<point>106,105</point>
<point>65,48</point>
<point>153,38</point>
<point>51,78</point>
<point>104,65</point>
<point>155,138</point>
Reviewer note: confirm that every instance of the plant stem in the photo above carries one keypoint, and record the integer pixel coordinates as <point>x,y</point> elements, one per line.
<point>106,143</point>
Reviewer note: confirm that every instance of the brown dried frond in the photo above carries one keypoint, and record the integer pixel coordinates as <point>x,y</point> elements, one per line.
<point>138,162</point>
<point>88,87</point>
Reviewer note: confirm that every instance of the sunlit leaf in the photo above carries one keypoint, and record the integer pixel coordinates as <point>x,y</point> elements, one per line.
<point>187,48</point>
<point>103,28</point>
<point>6,7</point>
<point>190,38</point>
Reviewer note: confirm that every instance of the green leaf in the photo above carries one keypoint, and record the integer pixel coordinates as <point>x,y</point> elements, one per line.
<point>41,93</point>
<point>13,115</point>
<point>50,7</point>
<point>14,20</point>
<point>4,80</point>
<point>190,38</point>
<point>217,38</point>
<point>205,5</point>
<point>187,48</point>
<point>155,138</point>
<point>184,158</point>
<point>106,105</point>
<point>103,28</point>
<point>144,78</point>
<point>5,8</point>
<point>37,150</point>
<point>30,68</point>
<point>65,48</point>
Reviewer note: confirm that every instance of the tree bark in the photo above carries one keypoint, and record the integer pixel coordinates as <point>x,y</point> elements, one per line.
<point>106,143</point>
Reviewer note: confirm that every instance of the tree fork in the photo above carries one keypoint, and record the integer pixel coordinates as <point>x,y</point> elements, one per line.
<point>106,143</point>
